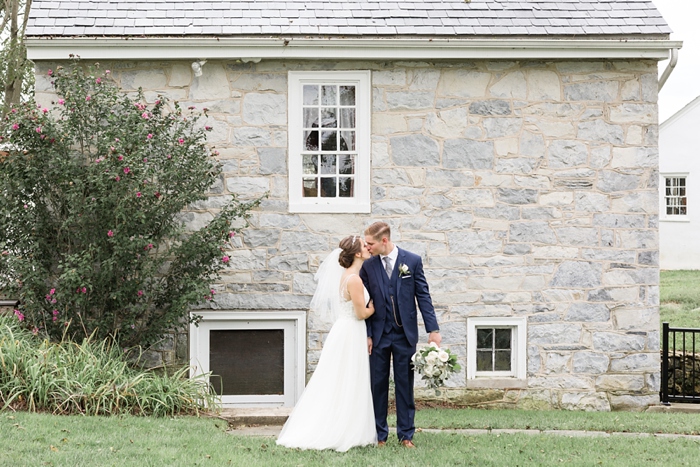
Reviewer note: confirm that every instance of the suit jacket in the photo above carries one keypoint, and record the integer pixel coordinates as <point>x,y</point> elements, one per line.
<point>411,289</point>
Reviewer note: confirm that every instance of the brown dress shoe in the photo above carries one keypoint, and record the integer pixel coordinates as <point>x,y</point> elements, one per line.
<point>407,443</point>
<point>381,444</point>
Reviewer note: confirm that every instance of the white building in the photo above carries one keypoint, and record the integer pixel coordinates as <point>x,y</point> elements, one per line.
<point>679,166</point>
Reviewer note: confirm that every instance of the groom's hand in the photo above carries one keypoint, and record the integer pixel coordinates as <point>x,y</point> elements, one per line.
<point>369,345</point>
<point>435,337</point>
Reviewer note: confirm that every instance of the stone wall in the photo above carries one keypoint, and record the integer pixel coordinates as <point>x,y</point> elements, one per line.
<point>529,188</point>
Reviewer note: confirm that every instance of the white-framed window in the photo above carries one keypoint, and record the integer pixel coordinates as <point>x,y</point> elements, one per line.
<point>329,141</point>
<point>496,348</point>
<point>254,359</point>
<point>675,196</point>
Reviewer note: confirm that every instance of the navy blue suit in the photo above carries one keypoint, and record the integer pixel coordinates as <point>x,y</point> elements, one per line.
<point>394,331</point>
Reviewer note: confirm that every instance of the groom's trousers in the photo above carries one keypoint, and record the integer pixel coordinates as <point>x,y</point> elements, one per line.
<point>393,344</point>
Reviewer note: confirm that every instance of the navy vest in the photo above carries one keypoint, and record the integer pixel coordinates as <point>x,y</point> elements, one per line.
<point>393,319</point>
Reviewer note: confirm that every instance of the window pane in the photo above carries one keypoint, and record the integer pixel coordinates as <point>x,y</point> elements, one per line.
<point>328,164</point>
<point>682,210</point>
<point>503,338</point>
<point>311,117</point>
<point>328,187</point>
<point>484,338</point>
<point>310,94</point>
<point>681,181</point>
<point>346,187</point>
<point>346,165</point>
<point>329,95</point>
<point>329,118</point>
<point>347,140</point>
<point>483,361</point>
<point>347,118</point>
<point>347,95</point>
<point>310,164</point>
<point>310,188</point>
<point>502,362</point>
<point>329,140</point>
<point>311,140</point>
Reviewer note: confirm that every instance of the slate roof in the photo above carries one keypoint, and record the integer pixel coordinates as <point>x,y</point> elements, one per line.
<point>345,17</point>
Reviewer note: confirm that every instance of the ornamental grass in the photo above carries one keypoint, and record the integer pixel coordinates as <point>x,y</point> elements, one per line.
<point>90,378</point>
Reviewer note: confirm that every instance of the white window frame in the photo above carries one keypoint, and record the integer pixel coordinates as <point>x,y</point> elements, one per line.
<point>662,192</point>
<point>294,326</point>
<point>518,347</point>
<point>360,202</point>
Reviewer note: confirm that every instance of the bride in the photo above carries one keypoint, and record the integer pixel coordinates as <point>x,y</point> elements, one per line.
<point>335,411</point>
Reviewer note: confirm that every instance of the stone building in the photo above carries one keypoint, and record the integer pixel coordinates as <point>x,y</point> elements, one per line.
<point>513,145</point>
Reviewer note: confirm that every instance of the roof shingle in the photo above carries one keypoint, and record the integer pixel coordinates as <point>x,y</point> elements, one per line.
<point>345,17</point>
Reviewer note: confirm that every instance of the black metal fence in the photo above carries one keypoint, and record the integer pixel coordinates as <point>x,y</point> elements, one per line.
<point>680,365</point>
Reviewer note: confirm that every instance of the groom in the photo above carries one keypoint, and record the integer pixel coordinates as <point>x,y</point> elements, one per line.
<point>395,281</point>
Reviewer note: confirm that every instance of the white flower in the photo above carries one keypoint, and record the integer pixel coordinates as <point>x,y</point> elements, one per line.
<point>443,356</point>
<point>433,345</point>
<point>432,357</point>
<point>403,270</point>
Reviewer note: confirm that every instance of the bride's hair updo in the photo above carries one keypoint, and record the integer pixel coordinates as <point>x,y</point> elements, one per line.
<point>350,246</point>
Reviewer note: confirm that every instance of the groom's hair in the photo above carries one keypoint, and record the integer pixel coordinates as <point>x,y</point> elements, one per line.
<point>379,230</point>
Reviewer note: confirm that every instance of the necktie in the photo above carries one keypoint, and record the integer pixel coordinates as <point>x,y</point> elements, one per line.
<point>388,267</point>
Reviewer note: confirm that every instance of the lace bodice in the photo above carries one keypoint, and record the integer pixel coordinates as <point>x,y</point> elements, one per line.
<point>346,308</point>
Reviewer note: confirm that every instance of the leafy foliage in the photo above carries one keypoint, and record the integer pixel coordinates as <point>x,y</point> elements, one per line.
<point>92,378</point>
<point>91,227</point>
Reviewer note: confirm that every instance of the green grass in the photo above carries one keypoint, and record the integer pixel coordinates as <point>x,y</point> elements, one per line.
<point>634,422</point>
<point>680,298</point>
<point>30,439</point>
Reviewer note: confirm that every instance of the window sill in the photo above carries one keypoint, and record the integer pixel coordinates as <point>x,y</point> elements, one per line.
<point>340,208</point>
<point>484,382</point>
<point>673,219</point>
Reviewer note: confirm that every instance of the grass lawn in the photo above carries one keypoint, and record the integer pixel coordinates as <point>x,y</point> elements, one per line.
<point>680,298</point>
<point>40,439</point>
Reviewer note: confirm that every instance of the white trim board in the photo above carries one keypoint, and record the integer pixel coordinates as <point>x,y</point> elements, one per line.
<point>188,48</point>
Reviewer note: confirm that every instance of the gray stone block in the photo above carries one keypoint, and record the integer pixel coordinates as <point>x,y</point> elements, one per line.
<point>598,130</point>
<point>588,312</point>
<point>577,274</point>
<point>556,333</point>
<point>450,220</point>
<point>610,181</point>
<point>414,150</point>
<point>499,127</point>
<point>616,342</point>
<point>532,232</point>
<point>590,363</point>
<point>566,153</point>
<point>517,195</point>
<point>490,107</point>
<point>272,161</point>
<point>467,154</point>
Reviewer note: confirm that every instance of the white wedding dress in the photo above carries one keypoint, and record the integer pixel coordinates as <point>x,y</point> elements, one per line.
<point>335,411</point>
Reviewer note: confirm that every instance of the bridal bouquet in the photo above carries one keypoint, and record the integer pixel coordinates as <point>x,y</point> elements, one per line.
<point>435,365</point>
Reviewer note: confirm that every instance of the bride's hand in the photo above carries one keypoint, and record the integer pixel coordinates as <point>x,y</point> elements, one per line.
<point>370,308</point>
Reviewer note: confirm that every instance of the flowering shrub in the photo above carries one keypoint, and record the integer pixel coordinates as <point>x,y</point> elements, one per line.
<point>435,365</point>
<point>91,228</point>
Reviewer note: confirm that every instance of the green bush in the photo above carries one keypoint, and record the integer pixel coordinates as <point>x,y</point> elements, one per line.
<point>91,228</point>
<point>92,378</point>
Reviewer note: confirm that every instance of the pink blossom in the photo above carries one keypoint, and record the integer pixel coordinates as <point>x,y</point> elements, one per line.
<point>231,234</point>
<point>138,194</point>
<point>53,300</point>
<point>169,156</point>
<point>145,159</point>
<point>35,330</point>
<point>61,102</point>
<point>139,293</point>
<point>157,101</point>
<point>111,149</point>
<point>127,170</point>
<point>225,259</point>
<point>208,128</point>
<point>88,97</point>
<point>121,158</point>
<point>26,207</point>
<point>149,136</point>
<point>55,315</point>
<point>157,194</point>
<point>84,290</point>
<point>14,111</point>
<point>50,73</point>
<point>98,80</point>
<point>19,315</point>
<point>148,247</point>
<point>45,110</point>
<point>52,291</point>
<point>216,153</point>
<point>47,297</point>
<point>38,129</point>
<point>107,72</point>
<point>15,126</point>
<point>213,292</point>
<point>117,178</point>
<point>145,115</point>
<point>110,233</point>
<point>181,141</point>
<point>132,327</point>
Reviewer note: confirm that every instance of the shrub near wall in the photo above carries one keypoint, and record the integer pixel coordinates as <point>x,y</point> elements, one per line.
<point>90,226</point>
